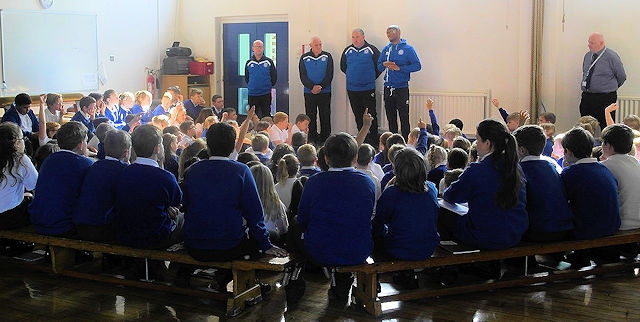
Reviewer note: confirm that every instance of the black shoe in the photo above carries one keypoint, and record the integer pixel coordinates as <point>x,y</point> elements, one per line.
<point>407,280</point>
<point>265,289</point>
<point>294,291</point>
<point>446,276</point>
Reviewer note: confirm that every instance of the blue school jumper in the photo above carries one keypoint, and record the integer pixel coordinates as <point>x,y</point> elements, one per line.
<point>592,191</point>
<point>97,194</point>
<point>486,225</point>
<point>88,123</point>
<point>237,209</point>
<point>436,174</point>
<point>57,192</point>
<point>408,221</point>
<point>335,213</point>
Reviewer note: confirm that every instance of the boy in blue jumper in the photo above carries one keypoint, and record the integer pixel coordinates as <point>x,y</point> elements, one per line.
<point>97,195</point>
<point>59,183</point>
<point>335,212</point>
<point>87,113</point>
<point>144,214</point>
<point>550,218</point>
<point>592,190</point>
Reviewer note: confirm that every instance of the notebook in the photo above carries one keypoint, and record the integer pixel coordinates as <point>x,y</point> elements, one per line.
<point>457,247</point>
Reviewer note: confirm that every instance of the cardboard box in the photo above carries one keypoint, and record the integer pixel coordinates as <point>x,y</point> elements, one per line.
<point>201,68</point>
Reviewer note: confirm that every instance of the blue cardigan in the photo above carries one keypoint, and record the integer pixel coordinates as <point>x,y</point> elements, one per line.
<point>486,225</point>
<point>335,213</point>
<point>12,115</point>
<point>408,222</point>
<point>57,192</point>
<point>219,196</point>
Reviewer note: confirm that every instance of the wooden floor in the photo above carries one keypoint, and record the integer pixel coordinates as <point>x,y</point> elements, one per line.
<point>27,294</point>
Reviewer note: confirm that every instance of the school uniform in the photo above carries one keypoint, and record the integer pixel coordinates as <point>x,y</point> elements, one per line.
<point>547,204</point>
<point>335,213</point>
<point>97,196</point>
<point>57,190</point>
<point>13,204</point>
<point>486,225</point>
<point>84,119</point>
<point>436,174</point>
<point>308,171</point>
<point>140,216</point>
<point>408,222</point>
<point>592,191</point>
<point>224,226</point>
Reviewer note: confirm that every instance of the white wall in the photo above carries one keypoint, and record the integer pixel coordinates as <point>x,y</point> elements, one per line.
<point>566,43</point>
<point>463,45</point>
<point>134,32</point>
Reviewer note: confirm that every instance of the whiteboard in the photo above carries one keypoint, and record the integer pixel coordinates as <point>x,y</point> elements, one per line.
<point>44,51</point>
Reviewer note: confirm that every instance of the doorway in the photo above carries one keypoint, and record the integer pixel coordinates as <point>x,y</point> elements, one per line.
<point>237,39</point>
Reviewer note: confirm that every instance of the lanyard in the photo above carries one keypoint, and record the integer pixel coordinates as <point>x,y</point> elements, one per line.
<point>596,60</point>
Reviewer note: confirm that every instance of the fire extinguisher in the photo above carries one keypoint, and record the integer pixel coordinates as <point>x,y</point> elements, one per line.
<point>151,82</point>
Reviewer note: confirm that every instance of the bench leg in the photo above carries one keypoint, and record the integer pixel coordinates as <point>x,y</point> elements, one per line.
<point>245,289</point>
<point>61,258</point>
<point>366,293</point>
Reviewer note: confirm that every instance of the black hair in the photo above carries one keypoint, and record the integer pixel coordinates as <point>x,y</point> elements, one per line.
<point>22,99</point>
<point>298,139</point>
<point>341,149</point>
<point>505,161</point>
<point>531,137</point>
<point>579,141</point>
<point>9,155</point>
<point>86,101</point>
<point>458,123</point>
<point>246,157</point>
<point>322,162</point>
<point>619,136</point>
<point>365,154</point>
<point>221,139</point>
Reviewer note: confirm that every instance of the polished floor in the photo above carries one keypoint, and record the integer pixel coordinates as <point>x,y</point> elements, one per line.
<point>27,294</point>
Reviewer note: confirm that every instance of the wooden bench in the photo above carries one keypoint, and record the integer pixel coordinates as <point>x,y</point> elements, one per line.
<point>245,289</point>
<point>366,294</point>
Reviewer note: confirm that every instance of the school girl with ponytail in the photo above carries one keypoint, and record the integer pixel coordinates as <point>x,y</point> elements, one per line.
<point>494,187</point>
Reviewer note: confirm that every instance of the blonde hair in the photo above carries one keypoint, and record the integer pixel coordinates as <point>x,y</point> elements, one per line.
<point>160,121</point>
<point>210,120</point>
<point>632,121</point>
<point>271,204</point>
<point>436,155</point>
<point>307,154</point>
<point>141,94</point>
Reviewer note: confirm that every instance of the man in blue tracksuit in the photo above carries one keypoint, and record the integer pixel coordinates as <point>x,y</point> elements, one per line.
<point>399,60</point>
<point>316,74</point>
<point>359,63</point>
<point>261,75</point>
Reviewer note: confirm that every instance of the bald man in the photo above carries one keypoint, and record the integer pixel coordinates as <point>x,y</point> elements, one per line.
<point>602,75</point>
<point>316,74</point>
<point>261,75</point>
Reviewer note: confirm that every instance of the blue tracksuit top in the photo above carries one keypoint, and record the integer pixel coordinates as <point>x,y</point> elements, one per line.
<point>220,202</point>
<point>87,122</point>
<point>57,192</point>
<point>316,70</point>
<point>408,221</point>
<point>592,191</point>
<point>547,204</point>
<point>97,194</point>
<point>360,66</point>
<point>117,118</point>
<point>486,225</point>
<point>335,213</point>
<point>405,57</point>
<point>140,216</point>
<point>260,75</point>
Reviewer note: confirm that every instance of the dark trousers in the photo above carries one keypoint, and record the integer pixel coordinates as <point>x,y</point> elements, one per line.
<point>315,104</point>
<point>245,247</point>
<point>396,102</point>
<point>16,217</point>
<point>447,222</point>
<point>594,104</point>
<point>262,103</point>
<point>360,101</point>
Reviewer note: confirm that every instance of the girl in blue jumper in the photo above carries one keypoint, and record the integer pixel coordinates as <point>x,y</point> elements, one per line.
<point>495,189</point>
<point>407,212</point>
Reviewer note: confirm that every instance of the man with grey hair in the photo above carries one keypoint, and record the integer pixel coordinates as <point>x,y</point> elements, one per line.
<point>602,75</point>
<point>358,62</point>
<point>398,59</point>
<point>316,74</point>
<point>261,75</point>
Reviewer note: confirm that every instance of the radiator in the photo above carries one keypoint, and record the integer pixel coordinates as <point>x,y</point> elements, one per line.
<point>627,105</point>
<point>470,107</point>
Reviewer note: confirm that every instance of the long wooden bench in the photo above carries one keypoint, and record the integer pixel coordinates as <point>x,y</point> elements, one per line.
<point>245,289</point>
<point>366,293</point>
